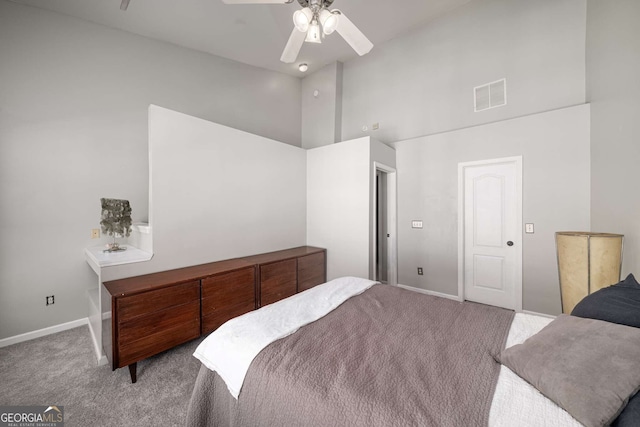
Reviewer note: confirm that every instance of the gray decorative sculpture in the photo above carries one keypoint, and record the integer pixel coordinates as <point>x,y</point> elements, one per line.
<point>116,221</point>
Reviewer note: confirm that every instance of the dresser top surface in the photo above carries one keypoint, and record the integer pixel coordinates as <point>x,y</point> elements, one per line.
<point>283,255</point>
<point>133,285</point>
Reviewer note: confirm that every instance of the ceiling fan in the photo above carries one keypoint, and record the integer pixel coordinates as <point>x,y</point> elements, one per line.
<point>312,23</point>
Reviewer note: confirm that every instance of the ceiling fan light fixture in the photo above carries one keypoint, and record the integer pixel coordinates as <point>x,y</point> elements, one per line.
<point>329,21</point>
<point>302,18</point>
<point>313,33</point>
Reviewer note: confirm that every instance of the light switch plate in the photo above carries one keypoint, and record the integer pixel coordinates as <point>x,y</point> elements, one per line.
<point>416,224</point>
<point>528,228</point>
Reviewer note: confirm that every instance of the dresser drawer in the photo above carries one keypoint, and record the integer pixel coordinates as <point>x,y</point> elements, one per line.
<point>157,322</point>
<point>230,287</point>
<point>278,280</point>
<point>158,342</point>
<point>226,296</point>
<point>311,271</point>
<point>129,307</point>
<point>213,321</point>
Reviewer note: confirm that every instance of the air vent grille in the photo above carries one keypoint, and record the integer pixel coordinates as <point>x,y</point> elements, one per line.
<point>490,95</point>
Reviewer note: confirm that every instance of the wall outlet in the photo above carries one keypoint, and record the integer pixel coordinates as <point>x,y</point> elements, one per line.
<point>420,271</point>
<point>95,233</point>
<point>375,126</point>
<point>50,300</point>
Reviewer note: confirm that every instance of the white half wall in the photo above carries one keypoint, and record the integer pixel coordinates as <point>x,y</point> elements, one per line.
<point>218,193</point>
<point>338,206</point>
<point>339,202</point>
<point>555,149</point>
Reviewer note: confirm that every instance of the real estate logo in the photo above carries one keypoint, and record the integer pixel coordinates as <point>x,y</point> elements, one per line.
<point>31,416</point>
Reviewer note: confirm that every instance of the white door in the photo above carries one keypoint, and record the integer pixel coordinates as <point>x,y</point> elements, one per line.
<point>491,218</point>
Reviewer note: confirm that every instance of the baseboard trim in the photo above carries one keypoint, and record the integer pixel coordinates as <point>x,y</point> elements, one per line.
<point>455,298</point>
<point>428,292</point>
<point>534,313</point>
<point>43,332</point>
<point>100,357</point>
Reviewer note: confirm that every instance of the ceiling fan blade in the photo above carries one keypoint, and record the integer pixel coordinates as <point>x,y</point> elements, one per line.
<point>290,52</point>
<point>257,1</point>
<point>352,35</point>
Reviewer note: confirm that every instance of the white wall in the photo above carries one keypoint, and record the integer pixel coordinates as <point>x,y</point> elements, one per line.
<point>613,88</point>
<point>340,180</point>
<point>556,164</point>
<point>338,198</point>
<point>322,114</point>
<point>218,193</point>
<point>422,83</point>
<point>73,119</point>
<point>73,128</point>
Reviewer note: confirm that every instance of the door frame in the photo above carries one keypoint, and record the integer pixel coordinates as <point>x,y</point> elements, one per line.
<point>461,228</point>
<point>392,227</point>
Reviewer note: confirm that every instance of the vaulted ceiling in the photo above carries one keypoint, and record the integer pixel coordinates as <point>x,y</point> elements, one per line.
<point>254,34</point>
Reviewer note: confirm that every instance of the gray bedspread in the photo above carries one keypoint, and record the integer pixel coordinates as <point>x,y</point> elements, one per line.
<point>387,357</point>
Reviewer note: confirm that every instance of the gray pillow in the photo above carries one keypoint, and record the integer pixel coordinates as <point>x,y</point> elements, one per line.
<point>588,367</point>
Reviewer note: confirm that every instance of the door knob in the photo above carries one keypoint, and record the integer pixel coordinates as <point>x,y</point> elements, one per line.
<point>509,243</point>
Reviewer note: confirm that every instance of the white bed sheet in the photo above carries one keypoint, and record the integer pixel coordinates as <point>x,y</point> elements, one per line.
<point>516,402</point>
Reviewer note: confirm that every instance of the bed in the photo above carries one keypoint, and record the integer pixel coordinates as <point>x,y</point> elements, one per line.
<point>358,353</point>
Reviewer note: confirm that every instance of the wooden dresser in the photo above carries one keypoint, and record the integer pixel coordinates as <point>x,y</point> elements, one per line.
<point>148,314</point>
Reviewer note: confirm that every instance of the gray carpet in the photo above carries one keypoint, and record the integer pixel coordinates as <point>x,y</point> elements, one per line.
<point>61,370</point>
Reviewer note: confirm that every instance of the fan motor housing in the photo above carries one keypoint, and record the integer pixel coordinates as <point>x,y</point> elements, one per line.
<point>324,3</point>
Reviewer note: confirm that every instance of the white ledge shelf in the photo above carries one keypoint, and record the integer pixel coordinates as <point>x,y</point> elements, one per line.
<point>98,259</point>
<point>141,227</point>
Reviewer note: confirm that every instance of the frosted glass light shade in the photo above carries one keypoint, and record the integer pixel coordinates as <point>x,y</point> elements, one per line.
<point>313,34</point>
<point>329,21</point>
<point>586,262</point>
<point>302,18</point>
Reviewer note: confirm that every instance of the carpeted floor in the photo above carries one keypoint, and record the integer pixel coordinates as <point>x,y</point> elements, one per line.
<point>61,370</point>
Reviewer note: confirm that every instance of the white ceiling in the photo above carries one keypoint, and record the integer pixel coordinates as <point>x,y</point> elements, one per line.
<point>253,34</point>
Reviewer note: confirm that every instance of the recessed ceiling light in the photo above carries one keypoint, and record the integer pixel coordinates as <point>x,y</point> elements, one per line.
<point>303,67</point>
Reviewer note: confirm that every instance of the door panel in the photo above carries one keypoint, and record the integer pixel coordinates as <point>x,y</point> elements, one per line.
<point>488,210</point>
<point>488,272</point>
